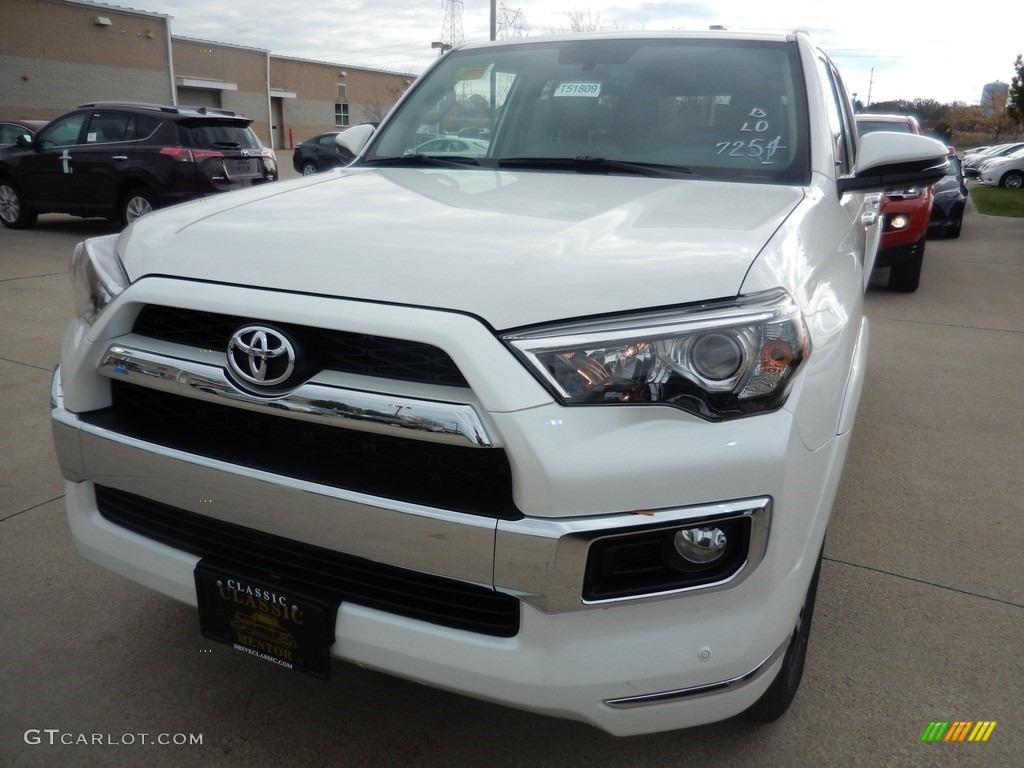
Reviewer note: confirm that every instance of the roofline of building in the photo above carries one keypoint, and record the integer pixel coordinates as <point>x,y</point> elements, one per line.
<point>117,8</point>
<point>343,66</point>
<point>201,41</point>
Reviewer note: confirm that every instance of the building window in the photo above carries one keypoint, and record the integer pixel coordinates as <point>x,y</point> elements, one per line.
<point>341,114</point>
<point>342,92</point>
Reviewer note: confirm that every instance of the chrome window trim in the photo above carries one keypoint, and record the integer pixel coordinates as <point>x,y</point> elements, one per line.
<point>420,419</point>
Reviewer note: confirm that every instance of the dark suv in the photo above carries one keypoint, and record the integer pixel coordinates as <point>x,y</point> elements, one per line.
<point>121,160</point>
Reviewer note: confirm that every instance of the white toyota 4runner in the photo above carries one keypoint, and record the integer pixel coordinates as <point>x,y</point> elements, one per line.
<point>551,413</point>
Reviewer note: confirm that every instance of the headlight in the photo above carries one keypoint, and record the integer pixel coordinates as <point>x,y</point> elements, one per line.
<point>717,361</point>
<point>905,194</point>
<point>97,276</point>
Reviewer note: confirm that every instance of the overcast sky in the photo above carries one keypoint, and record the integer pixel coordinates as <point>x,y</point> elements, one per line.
<point>895,50</point>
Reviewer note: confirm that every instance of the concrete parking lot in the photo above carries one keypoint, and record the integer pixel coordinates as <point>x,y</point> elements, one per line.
<point>920,613</point>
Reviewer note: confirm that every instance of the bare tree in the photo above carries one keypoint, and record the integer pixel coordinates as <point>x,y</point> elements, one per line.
<point>384,98</point>
<point>585,20</point>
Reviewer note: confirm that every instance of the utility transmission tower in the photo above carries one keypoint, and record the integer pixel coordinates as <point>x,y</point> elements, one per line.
<point>451,29</point>
<point>511,23</point>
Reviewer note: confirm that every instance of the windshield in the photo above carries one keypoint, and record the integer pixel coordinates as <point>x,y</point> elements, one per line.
<point>722,109</point>
<point>869,126</point>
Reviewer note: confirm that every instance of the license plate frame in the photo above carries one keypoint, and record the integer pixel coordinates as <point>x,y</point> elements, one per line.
<point>242,168</point>
<point>266,616</point>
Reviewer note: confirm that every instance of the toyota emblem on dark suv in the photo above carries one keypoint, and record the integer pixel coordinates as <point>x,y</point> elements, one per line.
<point>260,355</point>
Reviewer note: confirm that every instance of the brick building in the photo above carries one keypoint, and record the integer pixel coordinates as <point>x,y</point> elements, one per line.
<point>56,54</point>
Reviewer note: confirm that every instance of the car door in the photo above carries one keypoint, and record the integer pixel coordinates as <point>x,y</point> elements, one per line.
<point>46,171</point>
<point>102,159</point>
<point>327,152</point>
<point>862,209</point>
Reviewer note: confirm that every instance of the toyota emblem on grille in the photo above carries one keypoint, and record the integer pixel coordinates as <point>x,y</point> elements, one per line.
<point>260,355</point>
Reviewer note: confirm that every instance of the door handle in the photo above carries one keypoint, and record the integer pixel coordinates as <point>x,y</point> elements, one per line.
<point>120,157</point>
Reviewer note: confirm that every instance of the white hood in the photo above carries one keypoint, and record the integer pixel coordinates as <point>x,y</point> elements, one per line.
<point>514,249</point>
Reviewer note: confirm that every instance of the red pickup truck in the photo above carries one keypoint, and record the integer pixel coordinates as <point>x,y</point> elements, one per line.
<point>905,213</point>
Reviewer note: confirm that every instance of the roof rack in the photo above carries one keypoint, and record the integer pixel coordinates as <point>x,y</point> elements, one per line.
<point>179,110</point>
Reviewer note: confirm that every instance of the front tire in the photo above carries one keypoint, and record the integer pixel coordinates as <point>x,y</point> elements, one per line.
<point>136,202</point>
<point>776,700</point>
<point>14,213</point>
<point>1012,180</point>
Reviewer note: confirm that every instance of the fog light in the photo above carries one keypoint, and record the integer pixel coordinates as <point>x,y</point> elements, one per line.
<point>698,548</point>
<point>687,554</point>
<point>899,222</point>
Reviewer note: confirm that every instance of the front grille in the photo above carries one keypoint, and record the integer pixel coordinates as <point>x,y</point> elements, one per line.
<point>318,348</point>
<point>476,481</point>
<point>400,591</point>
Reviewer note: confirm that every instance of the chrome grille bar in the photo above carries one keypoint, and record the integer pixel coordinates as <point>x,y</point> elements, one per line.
<point>428,420</point>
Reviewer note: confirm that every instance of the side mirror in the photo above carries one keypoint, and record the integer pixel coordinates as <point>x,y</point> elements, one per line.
<point>886,160</point>
<point>351,142</point>
<point>24,140</point>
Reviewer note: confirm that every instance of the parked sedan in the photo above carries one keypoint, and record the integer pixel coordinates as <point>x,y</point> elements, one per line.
<point>949,200</point>
<point>10,130</point>
<point>975,150</point>
<point>317,154</point>
<point>453,146</point>
<point>972,164</point>
<point>1005,171</point>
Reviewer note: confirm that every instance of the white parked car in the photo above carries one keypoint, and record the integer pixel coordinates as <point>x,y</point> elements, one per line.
<point>975,150</point>
<point>1005,171</point>
<point>453,146</point>
<point>557,426</point>
<point>972,165</point>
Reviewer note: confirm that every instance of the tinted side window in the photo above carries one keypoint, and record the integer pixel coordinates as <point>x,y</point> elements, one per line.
<point>64,132</point>
<point>107,126</point>
<point>142,127</point>
<point>8,133</point>
<point>868,126</point>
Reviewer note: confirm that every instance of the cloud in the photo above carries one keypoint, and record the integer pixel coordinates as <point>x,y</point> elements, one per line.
<point>903,50</point>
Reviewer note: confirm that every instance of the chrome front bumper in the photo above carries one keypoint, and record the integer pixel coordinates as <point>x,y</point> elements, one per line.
<point>541,561</point>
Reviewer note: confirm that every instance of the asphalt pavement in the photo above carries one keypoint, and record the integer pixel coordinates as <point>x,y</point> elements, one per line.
<point>920,613</point>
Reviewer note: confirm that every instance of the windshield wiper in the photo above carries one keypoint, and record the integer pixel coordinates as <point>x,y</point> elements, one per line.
<point>417,158</point>
<point>585,163</point>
